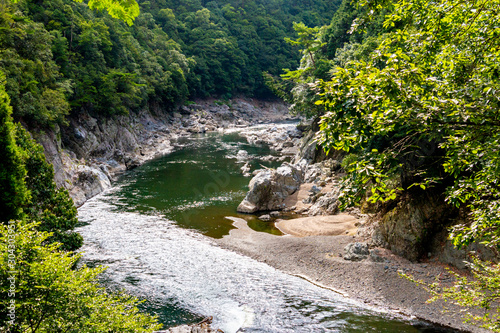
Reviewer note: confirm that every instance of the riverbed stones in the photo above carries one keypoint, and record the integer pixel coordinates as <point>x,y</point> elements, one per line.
<point>275,214</point>
<point>265,217</point>
<point>246,169</point>
<point>356,251</point>
<point>242,155</point>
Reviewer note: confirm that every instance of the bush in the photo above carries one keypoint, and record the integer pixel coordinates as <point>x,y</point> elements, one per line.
<point>50,296</point>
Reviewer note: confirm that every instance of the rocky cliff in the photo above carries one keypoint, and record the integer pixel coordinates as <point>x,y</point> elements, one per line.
<point>91,151</point>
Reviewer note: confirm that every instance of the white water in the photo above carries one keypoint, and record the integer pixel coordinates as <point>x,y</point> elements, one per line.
<point>169,263</point>
<point>183,272</point>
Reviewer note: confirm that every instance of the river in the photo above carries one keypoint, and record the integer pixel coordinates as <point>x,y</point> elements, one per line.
<point>154,231</point>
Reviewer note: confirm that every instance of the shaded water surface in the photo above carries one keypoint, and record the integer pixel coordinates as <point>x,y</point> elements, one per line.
<point>154,229</point>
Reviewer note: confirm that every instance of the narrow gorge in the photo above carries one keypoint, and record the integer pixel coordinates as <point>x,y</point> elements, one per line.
<point>165,227</point>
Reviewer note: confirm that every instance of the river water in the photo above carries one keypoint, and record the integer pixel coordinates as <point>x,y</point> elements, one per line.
<point>154,231</point>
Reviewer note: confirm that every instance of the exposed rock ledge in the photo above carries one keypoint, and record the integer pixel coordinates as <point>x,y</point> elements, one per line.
<point>89,153</point>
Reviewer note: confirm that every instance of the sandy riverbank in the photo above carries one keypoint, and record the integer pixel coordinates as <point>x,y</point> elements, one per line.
<point>319,259</point>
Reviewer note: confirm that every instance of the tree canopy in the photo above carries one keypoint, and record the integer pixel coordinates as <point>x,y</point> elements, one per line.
<point>60,57</point>
<point>429,90</point>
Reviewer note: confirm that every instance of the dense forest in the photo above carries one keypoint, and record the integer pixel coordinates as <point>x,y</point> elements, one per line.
<point>407,89</point>
<point>60,57</point>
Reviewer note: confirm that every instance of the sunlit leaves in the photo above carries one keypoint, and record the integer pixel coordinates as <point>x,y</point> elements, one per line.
<point>125,10</point>
<point>482,291</point>
<point>434,79</point>
<point>52,296</point>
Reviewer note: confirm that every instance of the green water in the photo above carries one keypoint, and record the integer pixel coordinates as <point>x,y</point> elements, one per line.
<point>198,185</point>
<point>182,276</point>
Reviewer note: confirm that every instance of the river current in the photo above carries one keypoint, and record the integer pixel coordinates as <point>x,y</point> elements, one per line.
<point>154,231</point>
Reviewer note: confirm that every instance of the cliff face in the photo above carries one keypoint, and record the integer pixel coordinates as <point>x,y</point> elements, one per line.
<point>91,151</point>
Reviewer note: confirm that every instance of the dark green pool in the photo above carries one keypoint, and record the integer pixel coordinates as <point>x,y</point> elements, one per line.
<point>198,185</point>
<point>151,231</point>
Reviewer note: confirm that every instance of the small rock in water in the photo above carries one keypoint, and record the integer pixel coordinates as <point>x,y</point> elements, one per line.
<point>265,217</point>
<point>242,155</point>
<point>246,168</point>
<point>274,214</point>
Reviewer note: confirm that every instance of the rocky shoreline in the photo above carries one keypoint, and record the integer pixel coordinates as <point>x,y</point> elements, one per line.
<point>91,152</point>
<point>348,258</point>
<point>374,280</point>
<point>345,252</point>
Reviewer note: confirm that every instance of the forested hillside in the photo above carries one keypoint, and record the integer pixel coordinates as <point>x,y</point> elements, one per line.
<point>58,59</point>
<point>61,57</point>
<point>406,91</point>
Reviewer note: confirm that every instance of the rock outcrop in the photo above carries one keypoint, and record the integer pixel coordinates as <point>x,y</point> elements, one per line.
<point>326,204</point>
<point>282,138</point>
<point>269,188</point>
<point>410,226</point>
<point>356,251</point>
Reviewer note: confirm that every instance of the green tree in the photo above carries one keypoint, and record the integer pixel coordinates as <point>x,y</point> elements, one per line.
<point>434,81</point>
<point>307,40</point>
<point>52,207</point>
<point>27,182</point>
<point>421,113</point>
<point>125,10</point>
<point>13,191</point>
<point>51,296</point>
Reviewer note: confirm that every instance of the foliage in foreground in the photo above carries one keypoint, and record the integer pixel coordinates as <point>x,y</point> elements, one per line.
<point>51,206</point>
<point>51,296</point>
<point>425,106</point>
<point>481,291</point>
<point>27,183</point>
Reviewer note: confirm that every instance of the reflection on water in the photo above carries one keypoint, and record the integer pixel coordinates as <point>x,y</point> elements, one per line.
<point>147,231</point>
<point>196,186</point>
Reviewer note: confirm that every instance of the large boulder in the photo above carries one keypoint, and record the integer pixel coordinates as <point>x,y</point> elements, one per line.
<point>327,204</point>
<point>269,188</point>
<point>88,182</point>
<point>409,228</point>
